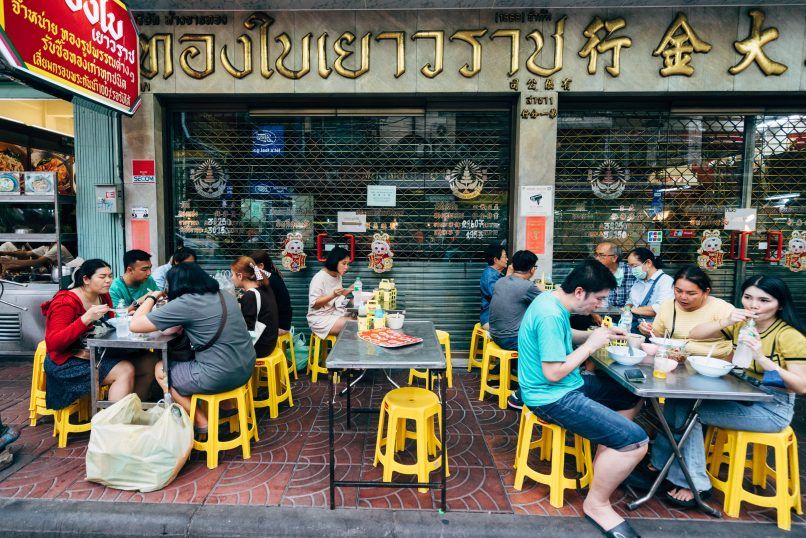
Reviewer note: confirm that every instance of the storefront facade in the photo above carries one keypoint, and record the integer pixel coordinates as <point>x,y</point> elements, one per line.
<point>430,134</point>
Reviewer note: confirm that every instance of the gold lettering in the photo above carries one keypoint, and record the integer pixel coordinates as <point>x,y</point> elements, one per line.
<point>265,21</point>
<point>321,47</point>
<point>471,37</point>
<point>432,70</point>
<point>246,42</point>
<point>285,41</point>
<point>400,37</point>
<point>514,48</point>
<point>753,45</point>
<point>149,52</point>
<point>597,45</point>
<point>343,54</point>
<point>677,46</point>
<point>537,38</point>
<point>192,51</point>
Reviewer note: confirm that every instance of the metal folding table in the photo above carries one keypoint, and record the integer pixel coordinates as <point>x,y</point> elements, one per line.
<point>682,384</point>
<point>352,353</point>
<point>154,341</point>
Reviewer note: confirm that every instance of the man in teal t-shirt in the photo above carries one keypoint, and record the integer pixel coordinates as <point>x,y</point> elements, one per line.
<point>135,282</point>
<point>594,407</point>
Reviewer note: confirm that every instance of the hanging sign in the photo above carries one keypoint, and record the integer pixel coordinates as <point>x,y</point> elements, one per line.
<point>380,259</point>
<point>710,255</point>
<point>143,171</point>
<point>795,257</point>
<point>537,200</point>
<point>381,195</point>
<point>293,252</point>
<point>268,140</point>
<point>536,234</point>
<point>87,47</point>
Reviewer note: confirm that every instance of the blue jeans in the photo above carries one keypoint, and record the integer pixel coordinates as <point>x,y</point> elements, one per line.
<point>590,411</point>
<point>509,343</point>
<point>765,417</point>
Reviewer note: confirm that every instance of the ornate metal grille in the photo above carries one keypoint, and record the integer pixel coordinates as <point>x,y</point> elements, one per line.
<point>621,175</point>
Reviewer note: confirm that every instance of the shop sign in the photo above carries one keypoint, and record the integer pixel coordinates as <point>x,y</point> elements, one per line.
<point>381,195</point>
<point>351,222</point>
<point>209,179</point>
<point>268,140</point>
<point>87,47</point>
<point>466,180</point>
<point>740,220</point>
<point>143,171</point>
<point>609,180</point>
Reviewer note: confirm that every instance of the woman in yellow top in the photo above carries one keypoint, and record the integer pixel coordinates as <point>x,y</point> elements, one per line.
<point>692,305</point>
<point>779,363</point>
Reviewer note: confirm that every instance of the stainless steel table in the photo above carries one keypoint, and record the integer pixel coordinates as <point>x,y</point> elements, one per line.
<point>110,340</point>
<point>682,384</point>
<point>352,353</point>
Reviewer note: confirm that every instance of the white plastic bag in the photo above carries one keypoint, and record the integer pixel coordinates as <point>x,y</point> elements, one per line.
<point>132,449</point>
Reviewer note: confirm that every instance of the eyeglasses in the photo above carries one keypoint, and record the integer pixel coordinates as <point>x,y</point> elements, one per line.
<point>601,255</point>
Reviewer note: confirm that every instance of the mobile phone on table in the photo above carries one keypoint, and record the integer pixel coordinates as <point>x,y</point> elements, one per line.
<point>634,375</point>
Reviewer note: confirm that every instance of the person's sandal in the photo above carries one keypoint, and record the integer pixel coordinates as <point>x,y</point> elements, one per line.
<point>691,503</point>
<point>9,436</point>
<point>622,530</point>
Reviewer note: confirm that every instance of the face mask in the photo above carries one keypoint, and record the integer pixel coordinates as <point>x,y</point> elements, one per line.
<point>619,274</point>
<point>638,272</point>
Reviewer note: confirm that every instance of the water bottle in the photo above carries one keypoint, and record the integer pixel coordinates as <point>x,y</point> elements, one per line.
<point>743,356</point>
<point>357,287</point>
<point>380,319</point>
<point>626,319</point>
<point>122,320</point>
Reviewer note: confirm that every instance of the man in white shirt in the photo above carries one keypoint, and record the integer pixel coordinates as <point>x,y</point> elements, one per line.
<point>652,286</point>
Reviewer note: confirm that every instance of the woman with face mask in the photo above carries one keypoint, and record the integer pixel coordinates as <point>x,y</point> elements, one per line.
<point>652,286</point>
<point>692,305</point>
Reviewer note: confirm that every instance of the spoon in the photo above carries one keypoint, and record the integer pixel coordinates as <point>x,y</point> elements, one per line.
<point>629,347</point>
<point>710,351</point>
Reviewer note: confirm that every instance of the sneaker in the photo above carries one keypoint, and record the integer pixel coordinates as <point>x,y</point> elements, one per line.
<point>9,435</point>
<point>514,401</point>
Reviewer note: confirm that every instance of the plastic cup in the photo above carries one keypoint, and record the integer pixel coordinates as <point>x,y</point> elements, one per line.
<point>122,328</point>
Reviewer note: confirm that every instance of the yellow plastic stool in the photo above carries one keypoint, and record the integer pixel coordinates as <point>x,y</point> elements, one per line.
<point>212,445</point>
<point>37,406</point>
<point>473,360</point>
<point>444,339</point>
<point>505,357</point>
<point>283,341</point>
<point>61,420</point>
<point>733,444</point>
<point>421,406</point>
<point>317,353</point>
<point>552,444</point>
<point>276,380</point>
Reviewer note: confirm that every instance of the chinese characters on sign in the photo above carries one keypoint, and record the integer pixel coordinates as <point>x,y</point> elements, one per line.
<point>87,47</point>
<point>280,55</point>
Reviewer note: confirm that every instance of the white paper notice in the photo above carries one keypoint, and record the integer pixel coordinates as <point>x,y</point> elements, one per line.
<point>537,200</point>
<point>351,222</point>
<point>740,220</point>
<point>382,195</point>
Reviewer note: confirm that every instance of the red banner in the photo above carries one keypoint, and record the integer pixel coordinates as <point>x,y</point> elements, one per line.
<point>88,47</point>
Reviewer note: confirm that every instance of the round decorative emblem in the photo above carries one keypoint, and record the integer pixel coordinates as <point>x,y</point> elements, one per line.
<point>209,179</point>
<point>609,180</point>
<point>466,180</point>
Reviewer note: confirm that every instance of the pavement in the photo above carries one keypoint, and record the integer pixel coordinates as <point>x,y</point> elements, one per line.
<point>282,490</point>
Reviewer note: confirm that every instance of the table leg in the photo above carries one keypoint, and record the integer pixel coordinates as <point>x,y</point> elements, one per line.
<point>93,382</point>
<point>676,455</point>
<point>167,395</point>
<point>443,433</point>
<point>331,397</point>
<point>389,377</point>
<point>353,382</point>
<point>349,374</point>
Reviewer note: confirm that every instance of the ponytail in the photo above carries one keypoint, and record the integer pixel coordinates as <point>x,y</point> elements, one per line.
<point>247,266</point>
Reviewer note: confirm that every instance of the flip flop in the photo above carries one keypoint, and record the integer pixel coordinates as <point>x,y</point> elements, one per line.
<point>9,436</point>
<point>691,503</point>
<point>622,530</point>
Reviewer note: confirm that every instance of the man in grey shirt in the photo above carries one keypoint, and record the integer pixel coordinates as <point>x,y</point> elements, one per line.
<point>512,295</point>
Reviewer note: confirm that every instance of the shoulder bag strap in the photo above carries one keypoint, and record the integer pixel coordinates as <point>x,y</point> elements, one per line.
<point>648,295</point>
<point>257,299</point>
<point>223,322</point>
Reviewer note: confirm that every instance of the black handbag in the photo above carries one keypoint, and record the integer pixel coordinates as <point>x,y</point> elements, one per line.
<point>180,349</point>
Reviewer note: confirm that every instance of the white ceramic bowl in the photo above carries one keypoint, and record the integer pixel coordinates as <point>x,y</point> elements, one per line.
<point>395,321</point>
<point>621,354</point>
<point>671,342</point>
<point>710,367</point>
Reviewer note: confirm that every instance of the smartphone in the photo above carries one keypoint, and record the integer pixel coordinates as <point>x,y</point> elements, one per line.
<point>635,375</point>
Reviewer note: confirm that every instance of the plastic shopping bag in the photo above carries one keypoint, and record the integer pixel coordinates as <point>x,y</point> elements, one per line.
<point>300,349</point>
<point>133,449</point>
